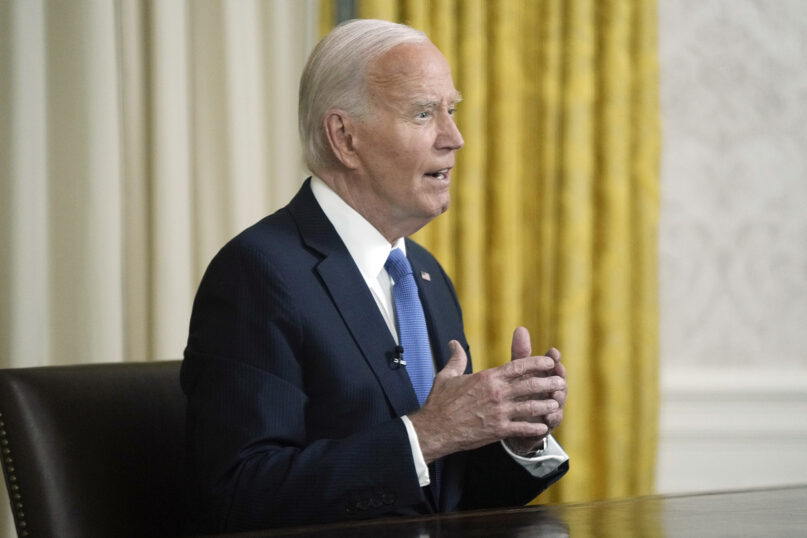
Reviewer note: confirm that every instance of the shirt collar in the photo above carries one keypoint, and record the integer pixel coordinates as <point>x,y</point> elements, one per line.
<point>368,248</point>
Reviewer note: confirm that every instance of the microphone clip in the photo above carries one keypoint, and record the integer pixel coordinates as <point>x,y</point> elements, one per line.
<point>397,359</point>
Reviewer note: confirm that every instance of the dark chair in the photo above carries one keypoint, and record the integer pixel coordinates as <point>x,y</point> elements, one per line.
<point>94,450</point>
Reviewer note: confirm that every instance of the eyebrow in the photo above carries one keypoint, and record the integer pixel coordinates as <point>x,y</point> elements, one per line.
<point>434,104</point>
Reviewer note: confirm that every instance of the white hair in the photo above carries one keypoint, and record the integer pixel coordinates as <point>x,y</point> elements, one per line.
<point>335,77</point>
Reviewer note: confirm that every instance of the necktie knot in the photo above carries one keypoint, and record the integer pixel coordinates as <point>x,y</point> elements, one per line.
<point>397,265</point>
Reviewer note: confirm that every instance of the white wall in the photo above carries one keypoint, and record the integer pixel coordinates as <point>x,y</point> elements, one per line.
<point>733,244</point>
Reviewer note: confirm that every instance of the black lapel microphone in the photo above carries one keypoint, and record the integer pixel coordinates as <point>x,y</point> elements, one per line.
<point>397,359</point>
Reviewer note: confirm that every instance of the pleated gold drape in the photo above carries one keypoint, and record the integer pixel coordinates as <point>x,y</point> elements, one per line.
<point>555,205</point>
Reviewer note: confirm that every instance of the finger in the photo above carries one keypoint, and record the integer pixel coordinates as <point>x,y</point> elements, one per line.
<point>526,366</point>
<point>530,409</point>
<point>521,428</point>
<point>560,397</point>
<point>521,346</point>
<point>554,354</point>
<point>553,420</point>
<point>456,363</point>
<point>534,386</point>
<point>560,370</point>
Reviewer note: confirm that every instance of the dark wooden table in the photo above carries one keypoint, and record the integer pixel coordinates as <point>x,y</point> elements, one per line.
<point>778,512</point>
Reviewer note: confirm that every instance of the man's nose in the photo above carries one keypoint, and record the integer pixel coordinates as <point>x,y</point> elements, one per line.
<point>449,136</point>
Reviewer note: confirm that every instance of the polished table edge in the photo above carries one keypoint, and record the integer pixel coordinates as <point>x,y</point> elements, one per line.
<point>553,509</point>
<point>672,496</point>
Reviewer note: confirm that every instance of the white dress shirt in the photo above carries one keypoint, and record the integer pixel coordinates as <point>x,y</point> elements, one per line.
<point>369,250</point>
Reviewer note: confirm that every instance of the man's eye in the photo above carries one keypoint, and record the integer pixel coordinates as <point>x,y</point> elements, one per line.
<point>451,111</point>
<point>424,115</point>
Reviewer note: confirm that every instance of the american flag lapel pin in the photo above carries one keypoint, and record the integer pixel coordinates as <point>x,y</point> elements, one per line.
<point>425,276</point>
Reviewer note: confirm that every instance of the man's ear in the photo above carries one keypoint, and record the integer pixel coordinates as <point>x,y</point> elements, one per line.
<point>340,130</point>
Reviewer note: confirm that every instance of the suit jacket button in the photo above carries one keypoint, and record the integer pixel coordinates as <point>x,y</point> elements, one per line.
<point>388,498</point>
<point>363,504</point>
<point>375,502</point>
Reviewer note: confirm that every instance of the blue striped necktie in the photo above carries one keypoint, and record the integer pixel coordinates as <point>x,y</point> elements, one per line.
<point>412,332</point>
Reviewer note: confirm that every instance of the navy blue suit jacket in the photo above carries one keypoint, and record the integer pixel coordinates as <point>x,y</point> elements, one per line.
<point>293,402</point>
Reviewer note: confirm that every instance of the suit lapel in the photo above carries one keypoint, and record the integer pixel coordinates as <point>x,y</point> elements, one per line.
<point>353,300</point>
<point>358,309</point>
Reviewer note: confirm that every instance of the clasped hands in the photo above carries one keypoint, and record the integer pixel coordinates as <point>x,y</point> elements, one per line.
<point>520,402</point>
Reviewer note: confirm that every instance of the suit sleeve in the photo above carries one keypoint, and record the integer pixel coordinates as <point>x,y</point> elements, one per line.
<point>493,479</point>
<point>252,461</point>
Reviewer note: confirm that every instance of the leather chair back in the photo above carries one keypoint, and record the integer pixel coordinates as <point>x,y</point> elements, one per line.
<point>94,450</point>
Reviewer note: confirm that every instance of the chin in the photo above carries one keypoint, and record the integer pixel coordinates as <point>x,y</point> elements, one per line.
<point>438,203</point>
<point>437,210</point>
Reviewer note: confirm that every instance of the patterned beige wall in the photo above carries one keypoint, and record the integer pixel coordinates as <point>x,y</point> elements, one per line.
<point>734,183</point>
<point>733,244</point>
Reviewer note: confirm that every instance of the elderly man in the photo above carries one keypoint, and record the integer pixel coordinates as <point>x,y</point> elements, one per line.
<point>316,333</point>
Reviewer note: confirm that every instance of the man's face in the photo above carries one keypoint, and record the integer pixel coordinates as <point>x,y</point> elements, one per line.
<point>406,144</point>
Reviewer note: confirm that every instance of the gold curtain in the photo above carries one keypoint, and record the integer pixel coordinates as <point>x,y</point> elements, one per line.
<point>555,206</point>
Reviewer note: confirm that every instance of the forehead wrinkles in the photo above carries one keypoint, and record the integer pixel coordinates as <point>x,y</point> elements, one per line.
<point>409,73</point>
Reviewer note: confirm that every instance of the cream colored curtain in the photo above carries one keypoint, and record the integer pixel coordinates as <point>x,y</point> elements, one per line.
<point>555,208</point>
<point>136,137</point>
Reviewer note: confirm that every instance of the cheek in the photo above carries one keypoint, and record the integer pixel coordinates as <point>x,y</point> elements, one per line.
<point>395,159</point>
<point>416,149</point>
<point>402,154</point>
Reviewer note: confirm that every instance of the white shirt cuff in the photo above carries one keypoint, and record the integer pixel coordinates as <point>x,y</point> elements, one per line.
<point>545,461</point>
<point>421,468</point>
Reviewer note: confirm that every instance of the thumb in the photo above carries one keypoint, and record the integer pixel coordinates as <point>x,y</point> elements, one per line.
<point>521,346</point>
<point>457,363</point>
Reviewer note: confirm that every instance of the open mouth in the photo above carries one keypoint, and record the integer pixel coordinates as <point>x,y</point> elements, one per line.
<point>439,174</point>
